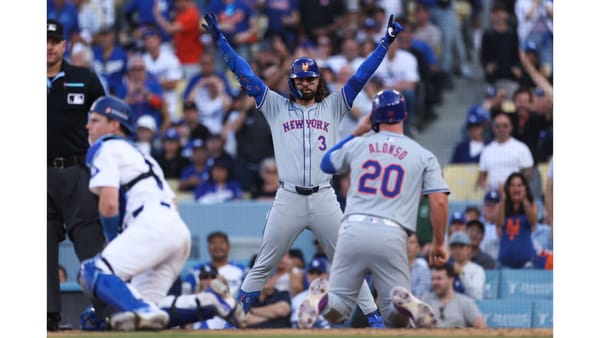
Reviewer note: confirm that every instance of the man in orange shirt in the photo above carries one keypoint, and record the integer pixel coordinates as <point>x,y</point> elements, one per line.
<point>186,35</point>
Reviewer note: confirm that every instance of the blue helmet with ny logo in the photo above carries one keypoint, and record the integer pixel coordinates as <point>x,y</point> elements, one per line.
<point>300,68</point>
<point>116,109</point>
<point>388,107</point>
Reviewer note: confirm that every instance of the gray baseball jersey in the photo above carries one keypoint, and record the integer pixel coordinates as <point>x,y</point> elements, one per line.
<point>302,135</point>
<point>389,173</point>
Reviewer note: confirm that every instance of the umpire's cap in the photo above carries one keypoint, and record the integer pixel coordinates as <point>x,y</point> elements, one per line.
<point>55,30</point>
<point>115,109</point>
<point>388,107</point>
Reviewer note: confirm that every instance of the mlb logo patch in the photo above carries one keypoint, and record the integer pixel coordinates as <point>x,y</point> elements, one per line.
<point>75,98</point>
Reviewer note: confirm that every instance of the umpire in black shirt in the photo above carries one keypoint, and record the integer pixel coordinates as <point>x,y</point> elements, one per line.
<point>72,209</point>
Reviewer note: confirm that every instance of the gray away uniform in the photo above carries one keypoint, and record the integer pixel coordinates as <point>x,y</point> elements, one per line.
<point>389,174</point>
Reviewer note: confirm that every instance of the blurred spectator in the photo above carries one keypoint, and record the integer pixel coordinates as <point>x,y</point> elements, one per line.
<point>185,30</point>
<point>472,212</point>
<point>549,197</point>
<point>283,20</point>
<point>363,103</point>
<point>170,159</point>
<point>535,24</point>
<point>349,55</point>
<point>110,60</point>
<point>476,230</point>
<point>66,13</point>
<point>469,151</point>
<point>139,14</point>
<point>490,242</point>
<point>83,56</point>
<point>321,18</point>
<point>220,187</point>
<point>528,129</point>
<point>472,275</point>
<point>426,31</point>
<point>271,64</point>
<point>143,93</point>
<point>93,16</point>
<point>534,75</point>
<point>271,310</point>
<point>504,155</point>
<point>444,17</point>
<point>198,171</point>
<point>145,135</point>
<point>166,68</point>
<point>515,223</point>
<point>286,277</point>
<point>369,33</point>
<point>400,71</point>
<point>62,274</point>
<point>212,100</point>
<point>207,68</point>
<point>420,274</point>
<point>317,268</point>
<point>191,117</point>
<point>229,272</point>
<point>499,53</point>
<point>253,141</point>
<point>238,22</point>
<point>456,223</point>
<point>451,308</point>
<point>269,181</point>
<point>215,146</point>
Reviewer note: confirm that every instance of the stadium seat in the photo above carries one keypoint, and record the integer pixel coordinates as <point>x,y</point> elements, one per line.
<point>506,313</point>
<point>526,283</point>
<point>492,282</point>
<point>462,179</point>
<point>543,314</point>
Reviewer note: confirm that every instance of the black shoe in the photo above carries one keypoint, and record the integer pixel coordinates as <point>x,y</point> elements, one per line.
<point>53,320</point>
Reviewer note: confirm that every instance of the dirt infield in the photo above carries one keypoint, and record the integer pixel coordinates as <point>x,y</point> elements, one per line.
<point>318,333</point>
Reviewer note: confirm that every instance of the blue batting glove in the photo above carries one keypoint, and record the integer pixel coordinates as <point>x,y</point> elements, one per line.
<point>212,26</point>
<point>393,28</point>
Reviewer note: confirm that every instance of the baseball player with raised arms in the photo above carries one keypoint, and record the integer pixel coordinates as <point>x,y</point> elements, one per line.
<point>303,126</point>
<point>148,242</point>
<point>389,172</point>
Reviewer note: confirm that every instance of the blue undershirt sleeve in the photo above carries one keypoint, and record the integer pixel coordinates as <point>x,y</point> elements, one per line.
<point>363,73</point>
<point>253,85</point>
<point>326,164</point>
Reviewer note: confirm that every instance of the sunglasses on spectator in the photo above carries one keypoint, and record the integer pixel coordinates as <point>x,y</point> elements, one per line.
<point>501,125</point>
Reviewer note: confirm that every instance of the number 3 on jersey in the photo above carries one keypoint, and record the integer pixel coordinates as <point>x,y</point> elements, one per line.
<point>391,179</point>
<point>323,144</point>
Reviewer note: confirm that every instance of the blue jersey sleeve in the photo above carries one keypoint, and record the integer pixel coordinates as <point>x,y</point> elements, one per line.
<point>364,72</point>
<point>253,85</point>
<point>326,164</point>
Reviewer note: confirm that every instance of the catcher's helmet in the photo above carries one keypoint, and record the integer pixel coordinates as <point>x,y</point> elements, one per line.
<point>302,67</point>
<point>115,109</point>
<point>388,107</point>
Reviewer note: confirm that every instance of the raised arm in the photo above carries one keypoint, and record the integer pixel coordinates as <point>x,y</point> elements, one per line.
<point>369,66</point>
<point>253,85</point>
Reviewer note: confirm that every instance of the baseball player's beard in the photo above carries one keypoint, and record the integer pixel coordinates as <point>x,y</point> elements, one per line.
<point>308,96</point>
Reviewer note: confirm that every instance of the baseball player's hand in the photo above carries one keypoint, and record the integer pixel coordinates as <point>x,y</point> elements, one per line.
<point>364,126</point>
<point>438,255</point>
<point>393,28</point>
<point>212,26</point>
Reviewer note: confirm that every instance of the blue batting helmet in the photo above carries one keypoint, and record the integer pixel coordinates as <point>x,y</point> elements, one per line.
<point>388,107</point>
<point>302,67</point>
<point>115,109</point>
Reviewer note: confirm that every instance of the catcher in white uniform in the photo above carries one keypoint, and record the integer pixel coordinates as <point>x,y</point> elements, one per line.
<point>303,127</point>
<point>148,242</point>
<point>389,172</point>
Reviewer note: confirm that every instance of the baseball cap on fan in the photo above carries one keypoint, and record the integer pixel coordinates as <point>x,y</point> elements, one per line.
<point>208,271</point>
<point>317,265</point>
<point>491,197</point>
<point>54,29</point>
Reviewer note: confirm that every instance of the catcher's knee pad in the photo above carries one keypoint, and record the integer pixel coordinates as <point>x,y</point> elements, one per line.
<point>89,271</point>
